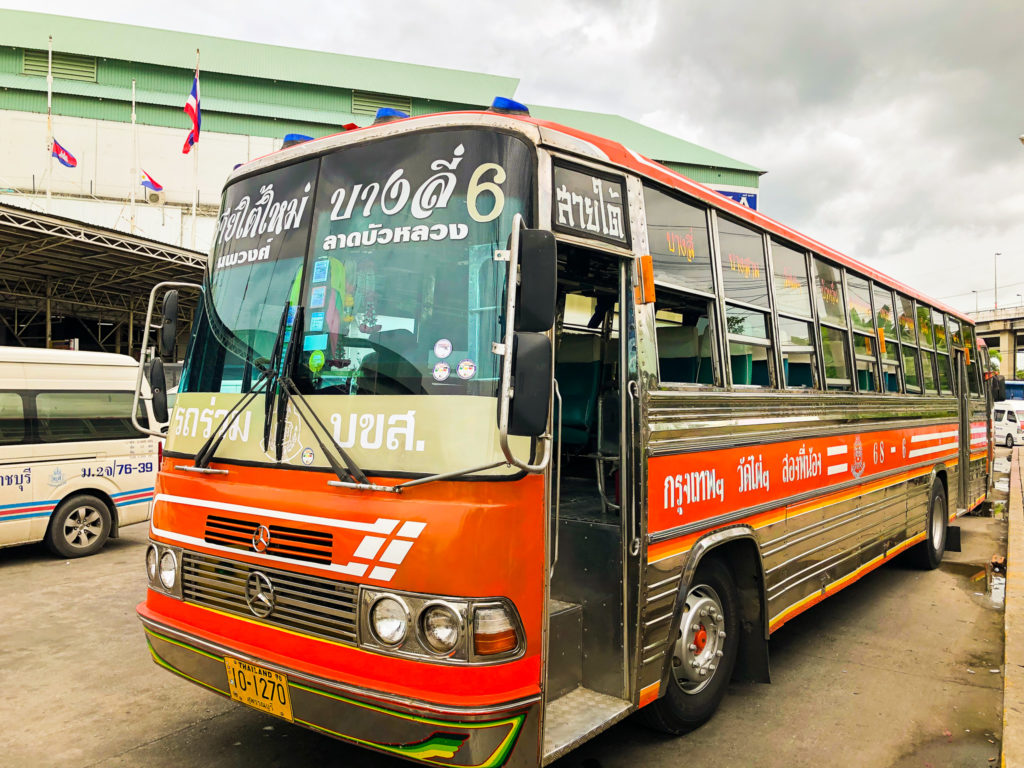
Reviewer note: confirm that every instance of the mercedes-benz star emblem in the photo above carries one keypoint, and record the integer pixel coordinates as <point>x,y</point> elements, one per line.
<point>261,539</point>
<point>259,594</point>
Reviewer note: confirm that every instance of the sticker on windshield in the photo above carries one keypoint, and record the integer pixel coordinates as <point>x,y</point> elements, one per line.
<point>314,341</point>
<point>442,371</point>
<point>316,321</point>
<point>442,348</point>
<point>320,271</point>
<point>291,314</point>
<point>307,456</point>
<point>316,361</point>
<point>316,298</point>
<point>466,369</point>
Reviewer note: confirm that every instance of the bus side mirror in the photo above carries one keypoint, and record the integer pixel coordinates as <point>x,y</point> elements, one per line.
<point>535,294</point>
<point>531,384</point>
<point>169,326</point>
<point>158,385</point>
<point>998,388</point>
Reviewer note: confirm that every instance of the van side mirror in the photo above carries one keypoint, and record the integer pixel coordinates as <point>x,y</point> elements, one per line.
<point>169,326</point>
<point>158,385</point>
<point>531,384</point>
<point>998,384</point>
<point>535,294</point>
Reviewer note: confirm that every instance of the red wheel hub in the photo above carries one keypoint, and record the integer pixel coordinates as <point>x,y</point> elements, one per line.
<point>701,638</point>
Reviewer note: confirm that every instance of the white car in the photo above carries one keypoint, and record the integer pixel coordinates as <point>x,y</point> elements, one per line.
<point>1006,422</point>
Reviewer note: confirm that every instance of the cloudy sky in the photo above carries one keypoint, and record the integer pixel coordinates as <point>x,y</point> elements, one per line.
<point>889,128</point>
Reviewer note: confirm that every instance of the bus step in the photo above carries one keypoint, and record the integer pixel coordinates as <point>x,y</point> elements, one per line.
<point>579,714</point>
<point>565,648</point>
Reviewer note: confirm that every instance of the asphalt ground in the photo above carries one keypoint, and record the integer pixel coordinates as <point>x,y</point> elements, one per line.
<point>902,669</point>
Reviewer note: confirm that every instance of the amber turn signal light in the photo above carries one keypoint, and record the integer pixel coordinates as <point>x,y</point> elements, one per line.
<point>493,631</point>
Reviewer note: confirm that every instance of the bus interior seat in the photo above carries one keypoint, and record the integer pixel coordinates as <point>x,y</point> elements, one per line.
<point>578,371</point>
<point>678,356</point>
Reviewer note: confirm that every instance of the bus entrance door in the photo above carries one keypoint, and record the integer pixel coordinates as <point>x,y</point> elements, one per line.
<point>964,433</point>
<point>587,681</point>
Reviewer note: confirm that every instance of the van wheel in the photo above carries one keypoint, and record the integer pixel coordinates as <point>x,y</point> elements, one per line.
<point>1009,441</point>
<point>928,554</point>
<point>79,527</point>
<point>704,653</point>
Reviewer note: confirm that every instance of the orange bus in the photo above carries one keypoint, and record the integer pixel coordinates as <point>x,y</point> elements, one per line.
<point>491,433</point>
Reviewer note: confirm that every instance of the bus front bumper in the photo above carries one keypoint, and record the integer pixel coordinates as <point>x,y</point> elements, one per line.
<point>413,730</point>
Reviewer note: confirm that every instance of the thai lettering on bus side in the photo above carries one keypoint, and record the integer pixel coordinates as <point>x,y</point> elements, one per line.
<point>693,488</point>
<point>399,435</point>
<point>267,217</point>
<point>193,422</point>
<point>597,216</point>
<point>20,479</point>
<point>804,466</point>
<point>753,476</point>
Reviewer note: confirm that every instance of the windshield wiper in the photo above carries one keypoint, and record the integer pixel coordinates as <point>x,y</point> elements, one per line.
<point>273,389</point>
<point>209,448</point>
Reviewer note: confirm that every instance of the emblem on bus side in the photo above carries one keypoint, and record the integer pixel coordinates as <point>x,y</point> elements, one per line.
<point>261,539</point>
<point>858,458</point>
<point>259,594</point>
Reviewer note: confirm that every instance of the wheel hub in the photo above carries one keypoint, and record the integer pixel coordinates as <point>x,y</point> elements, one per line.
<point>701,639</point>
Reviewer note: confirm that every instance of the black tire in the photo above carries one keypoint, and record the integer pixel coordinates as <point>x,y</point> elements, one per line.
<point>1009,441</point>
<point>79,527</point>
<point>928,554</point>
<point>691,700</point>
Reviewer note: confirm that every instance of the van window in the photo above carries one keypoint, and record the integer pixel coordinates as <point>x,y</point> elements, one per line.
<point>998,415</point>
<point>12,418</point>
<point>70,416</point>
<point>1011,416</point>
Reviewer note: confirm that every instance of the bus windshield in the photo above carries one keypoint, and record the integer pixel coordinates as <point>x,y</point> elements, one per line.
<point>388,247</point>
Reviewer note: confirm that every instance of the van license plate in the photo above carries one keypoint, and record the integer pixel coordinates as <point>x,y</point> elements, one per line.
<point>260,688</point>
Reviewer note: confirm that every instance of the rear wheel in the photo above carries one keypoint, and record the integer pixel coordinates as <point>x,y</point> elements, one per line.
<point>79,527</point>
<point>1009,441</point>
<point>928,554</point>
<point>704,653</point>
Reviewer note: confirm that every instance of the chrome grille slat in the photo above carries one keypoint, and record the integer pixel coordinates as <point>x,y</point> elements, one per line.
<point>294,543</point>
<point>307,604</point>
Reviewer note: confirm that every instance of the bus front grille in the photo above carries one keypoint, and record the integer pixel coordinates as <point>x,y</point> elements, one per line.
<point>294,543</point>
<point>305,604</point>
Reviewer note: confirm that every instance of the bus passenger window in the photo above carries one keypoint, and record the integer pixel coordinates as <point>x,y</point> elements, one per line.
<point>685,338</point>
<point>864,355</point>
<point>945,375</point>
<point>910,369</point>
<point>796,340</point>
<point>12,418</point>
<point>837,367</point>
<point>888,343</point>
<point>931,385</point>
<point>749,347</point>
<point>907,325</point>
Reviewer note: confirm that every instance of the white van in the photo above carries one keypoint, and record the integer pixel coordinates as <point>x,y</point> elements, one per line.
<point>1006,422</point>
<point>72,467</point>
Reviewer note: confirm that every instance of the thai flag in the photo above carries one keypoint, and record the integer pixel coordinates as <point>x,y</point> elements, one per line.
<point>149,181</point>
<point>192,110</point>
<point>63,156</point>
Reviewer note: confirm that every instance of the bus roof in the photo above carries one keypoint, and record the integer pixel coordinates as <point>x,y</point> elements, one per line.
<point>64,357</point>
<point>617,154</point>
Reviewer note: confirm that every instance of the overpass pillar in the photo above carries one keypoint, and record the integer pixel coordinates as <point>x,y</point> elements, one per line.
<point>1008,353</point>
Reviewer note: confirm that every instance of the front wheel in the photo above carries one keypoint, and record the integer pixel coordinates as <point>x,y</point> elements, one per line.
<point>928,554</point>
<point>79,527</point>
<point>703,655</point>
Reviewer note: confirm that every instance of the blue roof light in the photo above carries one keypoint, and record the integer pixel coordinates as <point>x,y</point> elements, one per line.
<point>506,106</point>
<point>387,114</point>
<point>291,139</point>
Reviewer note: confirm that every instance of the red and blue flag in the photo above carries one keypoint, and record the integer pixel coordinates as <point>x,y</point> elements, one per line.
<point>192,110</point>
<point>150,182</point>
<point>64,157</point>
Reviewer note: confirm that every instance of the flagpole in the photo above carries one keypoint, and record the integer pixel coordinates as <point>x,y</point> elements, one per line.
<point>49,119</point>
<point>195,168</point>
<point>135,164</point>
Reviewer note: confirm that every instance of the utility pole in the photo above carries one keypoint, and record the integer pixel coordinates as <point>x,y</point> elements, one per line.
<point>995,277</point>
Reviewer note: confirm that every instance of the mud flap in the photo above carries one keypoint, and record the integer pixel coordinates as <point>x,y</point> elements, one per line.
<point>953,538</point>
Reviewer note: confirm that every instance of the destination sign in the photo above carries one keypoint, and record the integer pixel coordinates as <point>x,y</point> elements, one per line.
<point>590,205</point>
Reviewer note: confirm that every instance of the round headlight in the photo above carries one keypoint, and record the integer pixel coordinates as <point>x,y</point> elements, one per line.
<point>151,562</point>
<point>440,628</point>
<point>167,569</point>
<point>390,621</point>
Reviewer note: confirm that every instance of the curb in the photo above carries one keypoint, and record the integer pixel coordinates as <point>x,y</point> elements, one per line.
<point>1013,624</point>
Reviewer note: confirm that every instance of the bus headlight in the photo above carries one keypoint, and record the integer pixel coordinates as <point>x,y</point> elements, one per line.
<point>389,620</point>
<point>151,558</point>
<point>439,627</point>
<point>168,569</point>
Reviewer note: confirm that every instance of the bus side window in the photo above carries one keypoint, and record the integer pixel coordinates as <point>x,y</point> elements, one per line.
<point>12,418</point>
<point>796,338</point>
<point>837,364</point>
<point>685,336</point>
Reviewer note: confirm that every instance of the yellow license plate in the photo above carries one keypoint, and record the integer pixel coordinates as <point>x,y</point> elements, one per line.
<point>260,688</point>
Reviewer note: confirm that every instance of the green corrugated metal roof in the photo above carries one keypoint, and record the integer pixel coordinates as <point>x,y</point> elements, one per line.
<point>647,141</point>
<point>272,62</point>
